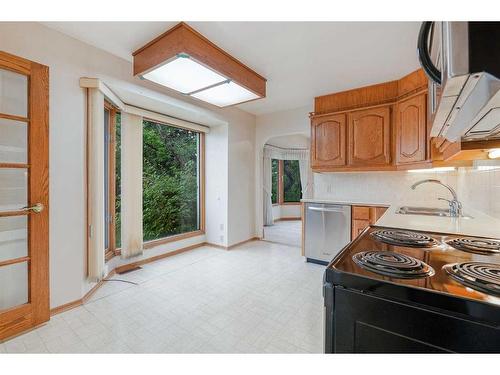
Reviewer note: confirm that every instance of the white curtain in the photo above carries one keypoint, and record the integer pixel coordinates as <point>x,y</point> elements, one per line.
<point>267,185</point>
<point>302,155</point>
<point>279,153</point>
<point>131,185</point>
<point>305,178</point>
<point>95,192</point>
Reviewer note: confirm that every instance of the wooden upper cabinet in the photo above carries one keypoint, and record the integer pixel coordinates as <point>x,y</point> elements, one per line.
<point>380,127</point>
<point>369,137</point>
<point>328,138</point>
<point>411,129</point>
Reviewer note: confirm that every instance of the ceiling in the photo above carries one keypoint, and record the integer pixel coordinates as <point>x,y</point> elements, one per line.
<point>300,60</point>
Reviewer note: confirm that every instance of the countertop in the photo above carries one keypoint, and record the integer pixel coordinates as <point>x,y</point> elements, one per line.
<point>480,224</point>
<point>344,202</point>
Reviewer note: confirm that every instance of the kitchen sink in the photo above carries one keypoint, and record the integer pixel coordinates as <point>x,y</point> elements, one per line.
<point>427,211</point>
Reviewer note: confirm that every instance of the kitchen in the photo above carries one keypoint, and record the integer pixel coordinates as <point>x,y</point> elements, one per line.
<point>359,214</point>
<point>419,254</point>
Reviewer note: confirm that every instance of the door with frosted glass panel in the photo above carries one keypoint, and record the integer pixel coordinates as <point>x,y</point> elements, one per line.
<point>24,195</point>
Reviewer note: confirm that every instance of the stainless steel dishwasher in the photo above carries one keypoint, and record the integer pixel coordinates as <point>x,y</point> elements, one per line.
<point>327,231</point>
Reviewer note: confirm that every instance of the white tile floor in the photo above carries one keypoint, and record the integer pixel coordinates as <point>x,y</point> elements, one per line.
<point>258,298</point>
<point>288,232</point>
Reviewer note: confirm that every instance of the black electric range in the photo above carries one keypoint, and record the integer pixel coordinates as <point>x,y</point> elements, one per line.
<point>400,291</point>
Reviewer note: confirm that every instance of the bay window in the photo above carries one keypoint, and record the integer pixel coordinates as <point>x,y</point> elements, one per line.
<point>171,180</point>
<point>286,185</point>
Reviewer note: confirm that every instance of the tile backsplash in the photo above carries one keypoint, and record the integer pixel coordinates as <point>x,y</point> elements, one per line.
<point>478,189</point>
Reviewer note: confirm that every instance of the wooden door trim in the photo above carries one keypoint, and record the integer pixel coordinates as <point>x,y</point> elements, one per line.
<point>22,317</point>
<point>39,191</point>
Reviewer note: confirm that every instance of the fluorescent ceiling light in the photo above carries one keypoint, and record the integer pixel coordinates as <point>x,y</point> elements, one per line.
<point>185,75</point>
<point>494,153</point>
<point>226,94</point>
<point>431,170</point>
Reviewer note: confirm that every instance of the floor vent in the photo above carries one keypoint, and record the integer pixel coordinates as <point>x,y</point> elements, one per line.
<point>128,270</point>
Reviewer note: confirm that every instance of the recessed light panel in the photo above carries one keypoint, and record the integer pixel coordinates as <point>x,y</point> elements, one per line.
<point>184,74</point>
<point>226,94</point>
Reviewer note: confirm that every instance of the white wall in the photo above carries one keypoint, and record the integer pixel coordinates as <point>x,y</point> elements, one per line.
<point>286,211</point>
<point>480,189</point>
<point>241,198</point>
<point>217,185</point>
<point>68,60</point>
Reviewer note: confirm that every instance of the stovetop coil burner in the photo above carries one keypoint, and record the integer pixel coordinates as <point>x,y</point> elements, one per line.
<point>392,264</point>
<point>481,246</point>
<point>404,238</point>
<point>484,277</point>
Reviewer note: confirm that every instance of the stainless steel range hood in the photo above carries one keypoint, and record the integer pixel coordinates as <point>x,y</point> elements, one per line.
<point>463,60</point>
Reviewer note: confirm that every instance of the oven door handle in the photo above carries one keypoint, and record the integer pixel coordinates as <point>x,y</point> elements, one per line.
<point>423,52</point>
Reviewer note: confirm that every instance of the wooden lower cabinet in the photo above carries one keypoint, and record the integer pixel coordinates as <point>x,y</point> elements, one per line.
<point>363,216</point>
<point>358,225</point>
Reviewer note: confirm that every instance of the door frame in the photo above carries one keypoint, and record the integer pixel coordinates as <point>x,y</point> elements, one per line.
<point>37,310</point>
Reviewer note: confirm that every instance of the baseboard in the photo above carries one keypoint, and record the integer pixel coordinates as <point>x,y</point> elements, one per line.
<point>288,218</point>
<point>66,307</point>
<point>232,246</point>
<point>243,242</point>
<point>215,245</point>
<point>81,301</point>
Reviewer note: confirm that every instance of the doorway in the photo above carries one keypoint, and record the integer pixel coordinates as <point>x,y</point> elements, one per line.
<point>24,195</point>
<point>286,182</point>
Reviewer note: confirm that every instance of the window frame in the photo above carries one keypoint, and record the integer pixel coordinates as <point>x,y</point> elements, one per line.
<point>110,143</point>
<point>201,191</point>
<point>281,187</point>
<point>112,250</point>
<point>278,187</point>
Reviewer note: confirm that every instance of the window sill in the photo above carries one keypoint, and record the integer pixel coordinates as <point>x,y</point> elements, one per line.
<point>177,237</point>
<point>110,254</point>
<point>290,203</point>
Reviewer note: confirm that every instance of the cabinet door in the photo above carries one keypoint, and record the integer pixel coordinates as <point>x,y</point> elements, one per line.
<point>370,137</point>
<point>328,137</point>
<point>411,137</point>
<point>358,225</point>
<point>376,213</point>
<point>363,216</point>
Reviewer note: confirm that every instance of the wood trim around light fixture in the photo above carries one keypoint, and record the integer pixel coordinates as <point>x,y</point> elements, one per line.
<point>184,39</point>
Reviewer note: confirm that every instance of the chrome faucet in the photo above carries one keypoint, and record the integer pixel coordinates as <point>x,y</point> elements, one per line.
<point>455,205</point>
